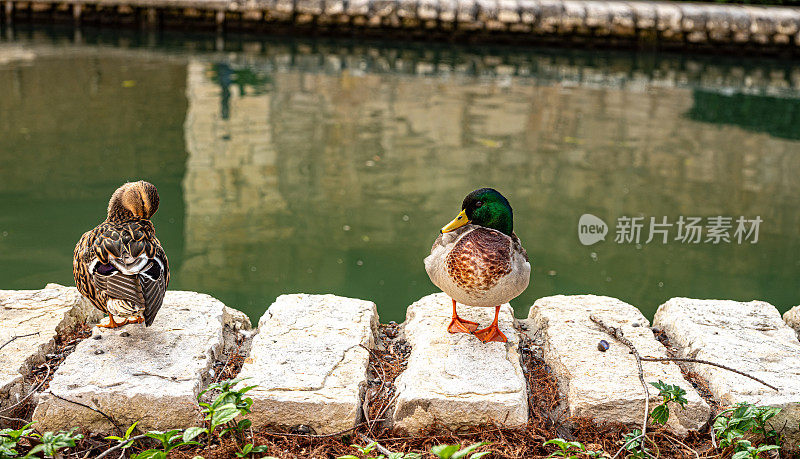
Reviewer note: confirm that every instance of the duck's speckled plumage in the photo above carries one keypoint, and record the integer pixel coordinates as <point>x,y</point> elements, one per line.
<point>120,265</point>
<point>479,266</point>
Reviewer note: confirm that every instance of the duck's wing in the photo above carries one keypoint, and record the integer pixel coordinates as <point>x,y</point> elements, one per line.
<point>517,246</point>
<point>83,257</point>
<point>130,265</point>
<point>154,282</point>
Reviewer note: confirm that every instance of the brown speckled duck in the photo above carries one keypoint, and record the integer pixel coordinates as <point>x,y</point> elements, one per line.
<point>478,260</point>
<point>120,265</point>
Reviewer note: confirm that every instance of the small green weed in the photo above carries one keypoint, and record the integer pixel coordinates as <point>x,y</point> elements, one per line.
<point>227,405</point>
<point>570,449</point>
<point>51,442</point>
<point>668,393</point>
<point>453,451</point>
<point>366,453</point>
<point>170,440</point>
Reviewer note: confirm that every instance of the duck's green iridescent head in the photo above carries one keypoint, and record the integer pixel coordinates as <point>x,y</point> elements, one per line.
<point>484,207</point>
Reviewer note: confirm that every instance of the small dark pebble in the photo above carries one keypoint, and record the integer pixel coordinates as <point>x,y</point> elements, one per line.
<point>124,334</point>
<point>636,324</point>
<point>302,429</point>
<point>98,352</point>
<point>97,337</point>
<point>603,345</point>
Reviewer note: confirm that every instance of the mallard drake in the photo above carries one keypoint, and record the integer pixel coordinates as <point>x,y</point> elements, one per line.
<point>478,260</point>
<point>120,265</point>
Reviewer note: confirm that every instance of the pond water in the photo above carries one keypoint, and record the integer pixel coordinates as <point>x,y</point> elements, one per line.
<point>325,166</point>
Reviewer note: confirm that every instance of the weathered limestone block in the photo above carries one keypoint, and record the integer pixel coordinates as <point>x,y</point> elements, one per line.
<point>49,312</point>
<point>605,386</point>
<point>466,11</point>
<point>427,10</point>
<point>645,14</point>
<point>749,337</point>
<point>312,7</point>
<point>739,23</point>
<point>718,23</point>
<point>598,15</point>
<point>137,373</point>
<point>309,361</point>
<point>792,319</point>
<point>528,11</point>
<point>550,16</point>
<point>622,19</point>
<point>508,11</point>
<point>448,10</point>
<point>787,20</point>
<point>573,17</point>
<point>669,19</point>
<point>456,379</point>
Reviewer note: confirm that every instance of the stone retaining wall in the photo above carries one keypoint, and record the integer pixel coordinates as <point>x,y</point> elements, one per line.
<point>562,21</point>
<point>310,360</point>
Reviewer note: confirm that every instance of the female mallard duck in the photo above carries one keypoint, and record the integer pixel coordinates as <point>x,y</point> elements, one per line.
<point>479,261</point>
<point>120,265</point>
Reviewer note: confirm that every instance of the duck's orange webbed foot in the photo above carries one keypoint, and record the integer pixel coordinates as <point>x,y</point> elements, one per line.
<point>134,320</point>
<point>109,322</point>
<point>459,325</point>
<point>492,332</point>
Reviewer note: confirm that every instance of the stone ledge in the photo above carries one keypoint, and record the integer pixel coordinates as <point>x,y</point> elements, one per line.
<point>310,363</point>
<point>136,373</point>
<point>659,22</point>
<point>792,319</point>
<point>749,337</point>
<point>55,310</point>
<point>455,379</point>
<point>605,386</point>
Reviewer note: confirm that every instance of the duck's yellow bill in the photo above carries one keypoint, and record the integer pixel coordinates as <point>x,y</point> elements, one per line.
<point>460,220</point>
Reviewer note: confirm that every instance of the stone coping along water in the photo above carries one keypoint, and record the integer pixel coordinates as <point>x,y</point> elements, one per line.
<point>661,24</point>
<point>310,359</point>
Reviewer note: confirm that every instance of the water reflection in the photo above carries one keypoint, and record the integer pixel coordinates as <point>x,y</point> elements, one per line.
<point>329,167</point>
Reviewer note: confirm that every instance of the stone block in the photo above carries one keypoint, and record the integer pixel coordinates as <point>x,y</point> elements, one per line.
<point>605,386</point>
<point>456,379</point>
<point>136,373</point>
<point>309,360</point>
<point>749,337</point>
<point>37,317</point>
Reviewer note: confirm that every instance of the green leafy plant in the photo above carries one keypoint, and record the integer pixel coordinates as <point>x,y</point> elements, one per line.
<point>570,449</point>
<point>9,439</point>
<point>227,405</point>
<point>366,453</point>
<point>669,393</point>
<point>453,451</point>
<point>733,424</point>
<point>126,438</point>
<point>633,443</point>
<point>745,450</point>
<point>249,449</point>
<point>170,440</point>
<point>51,442</point>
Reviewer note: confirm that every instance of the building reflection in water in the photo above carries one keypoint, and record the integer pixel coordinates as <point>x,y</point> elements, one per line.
<point>332,172</point>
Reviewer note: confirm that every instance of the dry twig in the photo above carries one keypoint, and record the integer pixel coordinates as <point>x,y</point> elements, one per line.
<point>16,337</point>
<point>706,362</point>
<point>617,333</point>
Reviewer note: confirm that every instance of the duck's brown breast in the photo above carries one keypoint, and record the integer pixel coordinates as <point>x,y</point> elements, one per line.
<point>479,259</point>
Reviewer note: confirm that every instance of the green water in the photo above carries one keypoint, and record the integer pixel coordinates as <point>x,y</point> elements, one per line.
<point>328,166</point>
